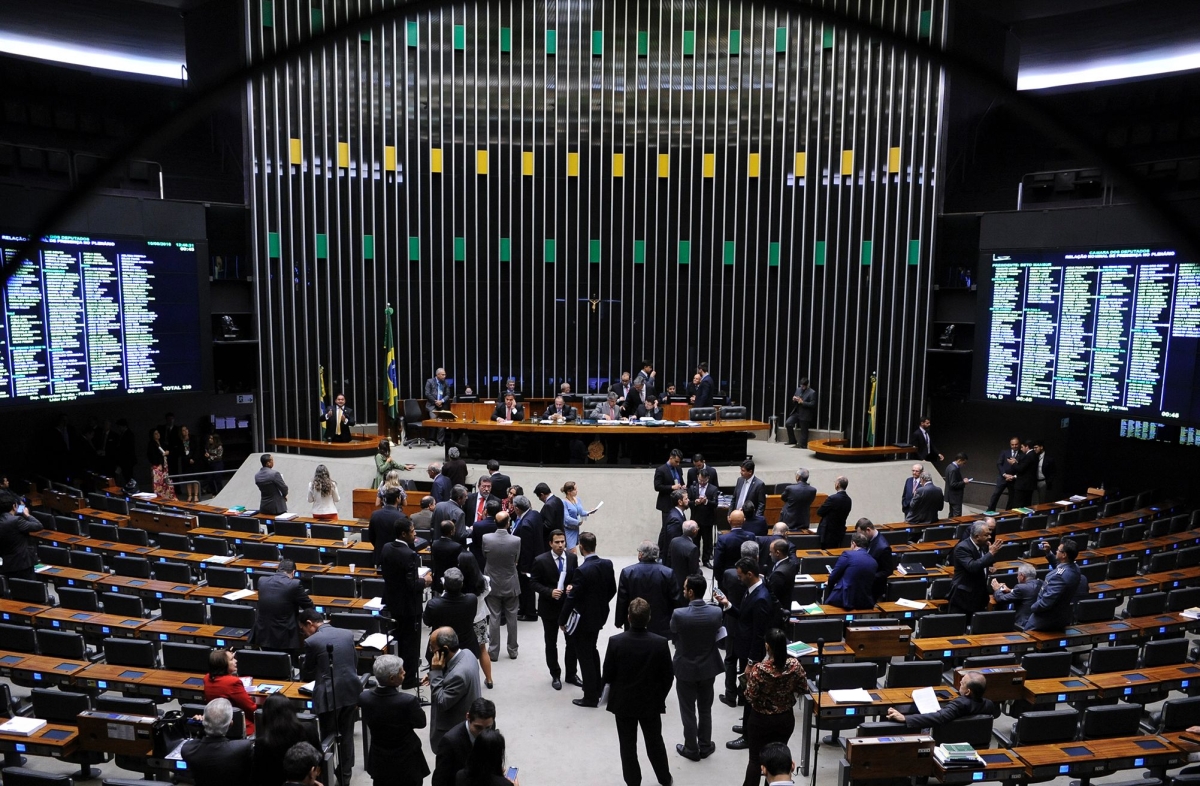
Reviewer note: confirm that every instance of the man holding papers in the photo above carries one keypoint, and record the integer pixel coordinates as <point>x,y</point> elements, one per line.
<point>969,702</point>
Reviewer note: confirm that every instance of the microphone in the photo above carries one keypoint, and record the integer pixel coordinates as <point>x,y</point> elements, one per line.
<point>329,649</point>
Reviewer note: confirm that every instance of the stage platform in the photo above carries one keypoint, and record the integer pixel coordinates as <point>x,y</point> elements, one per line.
<point>840,450</point>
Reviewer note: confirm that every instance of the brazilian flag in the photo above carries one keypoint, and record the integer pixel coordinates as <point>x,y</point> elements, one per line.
<point>871,412</point>
<point>389,365</point>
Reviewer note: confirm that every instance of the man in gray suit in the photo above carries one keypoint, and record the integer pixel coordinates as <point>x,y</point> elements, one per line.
<point>454,682</point>
<point>281,597</point>
<point>335,701</point>
<point>956,484</point>
<point>694,629</point>
<point>437,392</point>
<point>797,500</point>
<point>502,550</point>
<point>270,484</point>
<point>927,502</point>
<point>452,510</point>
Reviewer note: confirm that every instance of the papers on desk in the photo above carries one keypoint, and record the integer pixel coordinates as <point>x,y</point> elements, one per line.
<point>1193,613</point>
<point>798,649</point>
<point>21,726</point>
<point>265,689</point>
<point>144,495</point>
<point>285,517</point>
<point>688,423</point>
<point>376,641</point>
<point>238,595</point>
<point>926,700</point>
<point>804,578</point>
<point>911,604</point>
<point>957,754</point>
<point>1078,498</point>
<point>374,604</point>
<point>307,688</point>
<point>222,560</point>
<point>810,610</point>
<point>851,696</point>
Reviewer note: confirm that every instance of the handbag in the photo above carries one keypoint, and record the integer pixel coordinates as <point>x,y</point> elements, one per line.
<point>168,731</point>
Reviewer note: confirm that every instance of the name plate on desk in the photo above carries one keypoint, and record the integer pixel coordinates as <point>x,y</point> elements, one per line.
<point>879,641</point>
<point>890,757</point>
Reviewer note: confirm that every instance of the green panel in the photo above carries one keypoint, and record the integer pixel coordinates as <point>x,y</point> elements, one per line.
<point>819,253</point>
<point>730,252</point>
<point>551,42</point>
<point>506,39</point>
<point>735,42</point>
<point>925,25</point>
<point>505,249</point>
<point>368,246</point>
<point>412,37</point>
<point>781,39</point>
<point>597,42</point>
<point>689,42</point>
<point>366,35</point>
<point>639,252</point>
<point>865,256</point>
<point>773,255</point>
<point>914,252</point>
<point>414,248</point>
<point>594,251</point>
<point>643,43</point>
<point>322,246</point>
<point>685,252</point>
<point>273,245</point>
<point>460,249</point>
<point>460,37</point>
<point>268,13</point>
<point>317,20</point>
<point>551,252</point>
<point>827,38</point>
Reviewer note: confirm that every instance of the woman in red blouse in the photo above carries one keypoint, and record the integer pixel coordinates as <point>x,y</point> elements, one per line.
<point>222,682</point>
<point>772,686</point>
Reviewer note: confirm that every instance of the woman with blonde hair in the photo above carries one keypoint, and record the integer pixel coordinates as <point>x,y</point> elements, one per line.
<point>323,494</point>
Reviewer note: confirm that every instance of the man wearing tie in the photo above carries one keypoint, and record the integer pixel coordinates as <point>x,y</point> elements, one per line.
<point>749,489</point>
<point>704,387</point>
<point>923,442</point>
<point>551,576</point>
<point>622,388</point>
<point>510,411</point>
<point>910,488</point>
<point>803,415</point>
<point>592,590</point>
<point>437,395</point>
<point>560,410</point>
<point>646,377</point>
<point>703,496</point>
<point>695,629</point>
<point>668,479</point>
<point>1007,467</point>
<point>956,484</point>
<point>338,419</point>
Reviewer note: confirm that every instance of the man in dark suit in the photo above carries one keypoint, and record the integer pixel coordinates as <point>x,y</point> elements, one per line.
<point>1025,481</point>
<point>881,551</point>
<point>753,616</point>
<point>381,529</point>
<point>452,510</point>
<point>1046,469</point>
<point>281,597</point>
<point>927,502</point>
<point>443,553</point>
<point>1006,466</point>
<point>782,576</point>
<point>214,759</point>
<point>553,513</point>
<point>853,577</point>
<point>454,609</point>
<point>335,699</point>
<point>483,527</point>
<point>668,479</point>
<point>699,464</point>
<point>509,411</point>
<point>683,555</point>
<point>560,410</point>
<point>637,670</point>
<point>633,400</point>
<point>730,583</point>
<point>755,523</point>
<point>956,484</point>
<point>271,487</point>
<point>749,489</point>
<point>922,440</point>
<point>652,582</point>
<point>834,512</point>
<point>337,420</point>
<point>1053,608</point>
<point>673,523</point>
<point>697,661</point>
<point>803,414</point>
<point>703,396</point>
<point>971,559</point>
<point>552,572</point>
<point>393,718</point>
<point>442,483</point>
<point>456,744</point>
<point>622,388</point>
<point>403,591</point>
<point>500,481</point>
<point>475,505</point>
<point>765,560</point>
<point>437,392</point>
<point>797,501</point>
<point>729,544</point>
<point>646,377</point>
<point>910,487</point>
<point>594,587</point>
<point>1022,596</point>
<point>703,495</point>
<point>529,528</point>
<point>651,408</point>
<point>969,702</point>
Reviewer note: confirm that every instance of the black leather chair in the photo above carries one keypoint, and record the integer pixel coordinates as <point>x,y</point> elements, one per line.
<point>133,567</point>
<point>85,560</point>
<point>216,547</point>
<point>702,414</point>
<point>733,413</point>
<point>1145,605</point>
<point>940,626</point>
<point>179,610</point>
<point>20,776</point>
<point>265,665</point>
<point>54,706</point>
<point>130,652</point>
<point>30,591</point>
<point>231,615</point>
<point>1046,665</point>
<point>414,432</point>
<point>1041,727</point>
<point>18,638</point>
<point>1097,609</point>
<point>290,528</point>
<point>176,572</point>
<point>173,541</point>
<point>808,631</point>
<point>1186,598</point>
<point>1109,538</point>
<point>212,520</point>
<point>364,622</point>
<point>185,657</point>
<point>1174,715</point>
<point>914,674</point>
<point>327,531</point>
<point>1164,652</point>
<point>302,554</point>
<point>1162,562</point>
<point>841,676</point>
<point>100,531</point>
<point>975,730</point>
<point>78,598</point>
<point>225,578</point>
<point>247,524</point>
<point>993,622</point>
<point>69,526</point>
<point>333,586</point>
<point>1104,660</point>
<point>1121,568</point>
<point>64,644</point>
<point>123,605</point>
<point>910,589</point>
<point>267,552</point>
<point>346,557</point>
<point>54,555</point>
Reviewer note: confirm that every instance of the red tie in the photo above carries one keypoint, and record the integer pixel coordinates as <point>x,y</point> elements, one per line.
<point>479,514</point>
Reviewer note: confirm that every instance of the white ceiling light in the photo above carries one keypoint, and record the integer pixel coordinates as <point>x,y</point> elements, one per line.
<point>58,52</point>
<point>1108,70</point>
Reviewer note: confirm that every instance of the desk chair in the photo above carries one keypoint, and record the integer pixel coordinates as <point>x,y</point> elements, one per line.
<point>926,559</point>
<point>346,557</point>
<point>840,676</point>
<point>809,631</point>
<point>804,541</point>
<point>55,706</point>
<point>1135,532</point>
<point>1189,557</point>
<point>179,610</point>
<point>1104,660</point>
<point>816,564</point>
<point>118,505</point>
<point>231,615</point>
<point>122,605</point>
<point>185,657</point>
<point>54,555</point>
<point>941,626</point>
<point>267,552</point>
<point>1028,523</point>
<point>64,644</point>
<point>212,520</point>
<point>247,524</point>
<point>86,560</point>
<point>46,519</point>
<point>939,589</point>
<point>1145,605</point>
<point>975,730</point>
<point>20,776</point>
<point>1110,537</point>
<point>803,594</point>
<point>225,578</point>
<point>68,525</point>
<point>265,665</point>
<point>288,528</point>
<point>1179,524</point>
<point>914,674</point>
<point>983,661</point>
<point>367,623</point>
<point>335,586</point>
<point>375,588</point>
<point>134,536</point>
<point>1174,715</point>
<point>1040,727</point>
<point>1122,568</point>
<point>174,541</point>
<point>1094,573</point>
<point>216,547</point>
<point>993,622</point>
<point>126,706</point>
<point>133,567</point>
<point>177,572</point>
<point>78,598</point>
<point>101,531</point>
<point>1010,551</point>
<point>1162,562</point>
<point>1164,652</point>
<point>299,554</point>
<point>30,591</point>
<point>1046,665</point>
<point>1097,609</point>
<point>414,413</point>
<point>18,638</point>
<point>1186,598</point>
<point>930,534</point>
<point>327,531</point>
<point>1159,527</point>
<point>130,652</point>
<point>911,589</point>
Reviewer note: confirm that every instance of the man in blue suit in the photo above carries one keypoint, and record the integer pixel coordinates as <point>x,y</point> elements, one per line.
<point>1053,608</point>
<point>593,588</point>
<point>853,576</point>
<point>881,551</point>
<point>910,488</point>
<point>754,615</point>
<point>729,545</point>
<point>697,662</point>
<point>797,500</point>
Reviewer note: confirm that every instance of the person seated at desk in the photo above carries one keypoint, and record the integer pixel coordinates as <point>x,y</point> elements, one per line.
<point>1054,606</point>
<point>970,702</point>
<point>509,411</point>
<point>222,682</point>
<point>853,576</point>
<point>560,411</point>
<point>214,759</point>
<point>650,409</point>
<point>607,410</point>
<point>1021,596</point>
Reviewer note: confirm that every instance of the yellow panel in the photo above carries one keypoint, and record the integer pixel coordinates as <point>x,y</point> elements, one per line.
<point>389,158</point>
<point>847,162</point>
<point>572,165</point>
<point>753,165</point>
<point>710,164</point>
<point>894,159</point>
<point>435,159</point>
<point>295,152</point>
<point>527,163</point>
<point>801,165</point>
<point>618,165</point>
<point>481,162</point>
<point>664,165</point>
<point>343,154</point>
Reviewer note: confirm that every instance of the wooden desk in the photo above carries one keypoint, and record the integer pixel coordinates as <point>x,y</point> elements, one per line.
<point>1054,691</point>
<point>837,612</point>
<point>182,685</point>
<point>102,516</point>
<point>840,450</point>
<point>91,623</point>
<point>879,641</point>
<point>74,577</point>
<point>177,523</point>
<point>193,633</point>
<point>896,611</point>
<point>359,445</point>
<point>16,612</point>
<point>1004,683</point>
<point>1000,765</point>
<point>1160,624</point>
<point>327,604</point>
<point>1095,758</point>
<point>367,571</point>
<point>271,566</point>
<point>970,646</point>
<point>103,676</point>
<point>1121,684</point>
<point>147,588</point>
<point>62,503</point>
<point>52,740</point>
<point>45,670</point>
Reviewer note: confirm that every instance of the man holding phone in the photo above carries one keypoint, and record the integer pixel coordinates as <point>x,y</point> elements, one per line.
<point>15,526</point>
